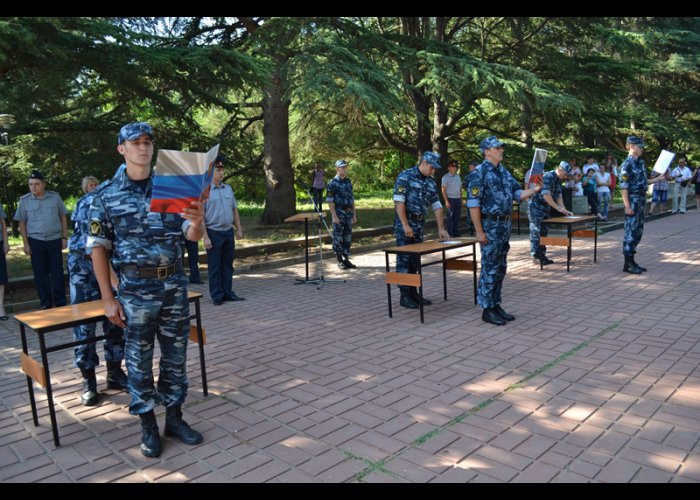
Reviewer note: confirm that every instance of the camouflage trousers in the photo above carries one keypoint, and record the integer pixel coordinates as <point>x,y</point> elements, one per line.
<point>342,233</point>
<point>156,308</point>
<point>84,288</point>
<point>536,215</point>
<point>405,263</point>
<point>634,225</point>
<point>493,262</point>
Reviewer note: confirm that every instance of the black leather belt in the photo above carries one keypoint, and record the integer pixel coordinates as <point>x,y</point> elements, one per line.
<point>162,272</point>
<point>416,217</point>
<point>496,217</point>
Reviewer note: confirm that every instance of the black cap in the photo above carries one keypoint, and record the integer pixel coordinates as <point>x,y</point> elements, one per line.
<point>36,175</point>
<point>220,161</point>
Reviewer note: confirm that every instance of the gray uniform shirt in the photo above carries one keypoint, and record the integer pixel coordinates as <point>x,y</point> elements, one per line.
<point>218,209</point>
<point>453,183</point>
<point>42,215</point>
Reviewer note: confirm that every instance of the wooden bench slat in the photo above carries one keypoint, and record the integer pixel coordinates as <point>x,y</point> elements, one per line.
<point>404,279</point>
<point>34,369</point>
<point>193,335</point>
<point>554,241</point>
<point>459,265</point>
<point>584,233</point>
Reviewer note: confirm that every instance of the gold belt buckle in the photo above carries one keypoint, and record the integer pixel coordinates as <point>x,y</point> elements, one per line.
<point>162,272</point>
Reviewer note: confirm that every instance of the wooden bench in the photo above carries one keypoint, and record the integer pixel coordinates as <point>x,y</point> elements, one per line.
<point>59,318</point>
<point>426,248</point>
<point>565,241</point>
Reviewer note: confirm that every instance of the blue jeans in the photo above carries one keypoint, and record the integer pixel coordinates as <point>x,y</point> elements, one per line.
<point>604,204</point>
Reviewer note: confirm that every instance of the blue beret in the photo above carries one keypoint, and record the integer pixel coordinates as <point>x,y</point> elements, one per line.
<point>132,131</point>
<point>341,163</point>
<point>433,159</point>
<point>633,139</point>
<point>490,142</point>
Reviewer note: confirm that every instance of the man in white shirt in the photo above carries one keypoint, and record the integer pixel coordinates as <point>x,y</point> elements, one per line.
<point>681,174</point>
<point>590,164</point>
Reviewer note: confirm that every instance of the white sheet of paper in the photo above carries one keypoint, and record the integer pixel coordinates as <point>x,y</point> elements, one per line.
<point>663,161</point>
<point>572,216</point>
<point>450,242</point>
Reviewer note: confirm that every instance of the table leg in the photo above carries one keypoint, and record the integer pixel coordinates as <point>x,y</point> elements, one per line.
<point>306,245</point>
<point>539,248</point>
<point>474,270</point>
<point>420,289</point>
<point>49,390</point>
<point>388,286</point>
<point>30,384</point>
<point>202,364</point>
<point>444,276</point>
<point>595,241</point>
<point>568,248</point>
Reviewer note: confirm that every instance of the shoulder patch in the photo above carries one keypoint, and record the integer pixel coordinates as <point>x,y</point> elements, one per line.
<point>95,228</point>
<point>401,189</point>
<point>475,191</point>
<point>624,177</point>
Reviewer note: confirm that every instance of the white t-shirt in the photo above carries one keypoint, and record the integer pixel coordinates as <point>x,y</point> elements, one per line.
<point>593,166</point>
<point>600,178</point>
<point>578,190</point>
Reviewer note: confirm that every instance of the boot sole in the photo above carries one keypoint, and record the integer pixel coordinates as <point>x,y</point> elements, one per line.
<point>147,452</point>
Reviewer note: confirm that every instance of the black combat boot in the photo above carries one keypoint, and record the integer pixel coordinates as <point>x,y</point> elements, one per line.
<point>90,395</point>
<point>348,264</point>
<point>630,266</point>
<point>175,426</point>
<point>643,269</point>
<point>150,439</point>
<point>341,262</point>
<point>407,299</point>
<point>416,297</point>
<point>116,378</point>
<point>491,316</point>
<point>503,314</point>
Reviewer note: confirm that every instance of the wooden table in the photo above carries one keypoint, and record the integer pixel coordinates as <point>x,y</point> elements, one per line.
<point>570,222</point>
<point>426,248</point>
<point>58,318</point>
<point>305,217</point>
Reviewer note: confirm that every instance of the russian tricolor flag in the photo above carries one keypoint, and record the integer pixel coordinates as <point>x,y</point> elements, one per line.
<point>536,172</point>
<point>181,178</point>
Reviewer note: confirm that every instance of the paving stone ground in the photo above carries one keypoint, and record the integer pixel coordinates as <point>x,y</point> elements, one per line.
<point>596,380</point>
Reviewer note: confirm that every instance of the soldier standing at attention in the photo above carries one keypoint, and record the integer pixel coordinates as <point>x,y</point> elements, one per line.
<point>490,201</point>
<point>341,203</point>
<point>633,186</point>
<point>146,250</point>
<point>44,229</point>
<point>84,288</point>
<point>539,208</point>
<point>414,192</point>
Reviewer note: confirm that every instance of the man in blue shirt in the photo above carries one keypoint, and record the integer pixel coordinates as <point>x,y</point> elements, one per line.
<point>414,192</point>
<point>490,201</point>
<point>146,251</point>
<point>633,186</point>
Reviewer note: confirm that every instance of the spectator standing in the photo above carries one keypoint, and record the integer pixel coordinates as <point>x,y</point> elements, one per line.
<point>3,263</point>
<point>452,193</point>
<point>42,223</point>
<point>696,180</point>
<point>681,176</point>
<point>659,193</point>
<point>317,185</point>
<point>603,182</point>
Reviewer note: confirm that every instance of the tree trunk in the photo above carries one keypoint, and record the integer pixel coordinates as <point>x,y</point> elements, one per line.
<point>280,198</point>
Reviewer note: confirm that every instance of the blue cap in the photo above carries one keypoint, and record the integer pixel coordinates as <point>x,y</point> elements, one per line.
<point>132,131</point>
<point>341,163</point>
<point>490,142</point>
<point>433,159</point>
<point>453,162</point>
<point>219,161</point>
<point>36,175</point>
<point>633,139</point>
<point>564,165</point>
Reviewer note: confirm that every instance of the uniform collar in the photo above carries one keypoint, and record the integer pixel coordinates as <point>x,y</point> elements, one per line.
<point>124,183</point>
<point>491,165</point>
<point>419,172</point>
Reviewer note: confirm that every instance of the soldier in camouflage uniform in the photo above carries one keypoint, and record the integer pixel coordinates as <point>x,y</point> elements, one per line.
<point>490,201</point>
<point>633,186</point>
<point>341,203</point>
<point>414,192</point>
<point>538,210</point>
<point>146,251</point>
<point>84,288</point>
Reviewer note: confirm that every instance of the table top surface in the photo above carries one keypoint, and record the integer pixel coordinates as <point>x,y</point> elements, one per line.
<point>58,318</point>
<point>571,219</point>
<point>432,246</point>
<point>303,216</point>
